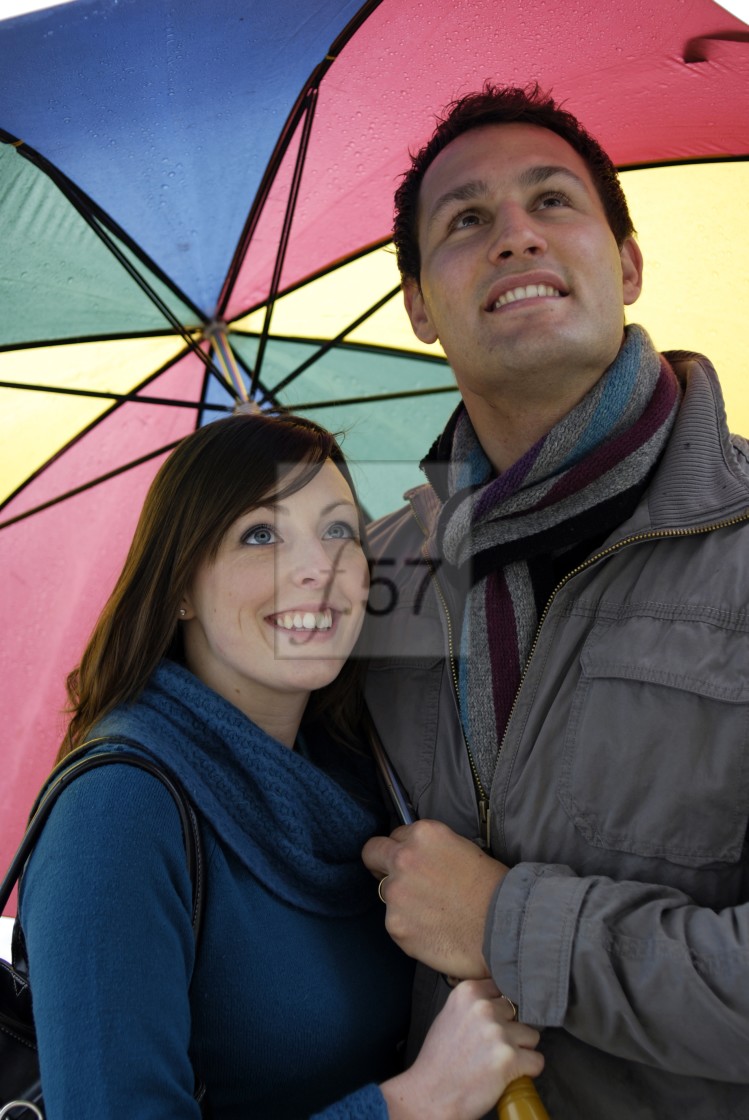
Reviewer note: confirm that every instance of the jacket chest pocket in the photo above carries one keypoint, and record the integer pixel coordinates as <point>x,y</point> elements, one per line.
<point>656,758</point>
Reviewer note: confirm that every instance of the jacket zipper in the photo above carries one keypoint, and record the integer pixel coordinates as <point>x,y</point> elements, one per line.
<point>660,534</point>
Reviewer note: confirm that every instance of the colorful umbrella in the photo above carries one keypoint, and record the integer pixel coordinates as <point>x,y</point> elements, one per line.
<point>170,174</point>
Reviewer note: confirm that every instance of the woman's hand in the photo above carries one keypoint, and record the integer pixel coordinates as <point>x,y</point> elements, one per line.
<point>471,1053</point>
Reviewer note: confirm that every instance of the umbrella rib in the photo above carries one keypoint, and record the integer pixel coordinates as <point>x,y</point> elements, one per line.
<point>311,103</point>
<point>155,298</point>
<point>89,485</point>
<point>374,398</point>
<point>103,394</point>
<point>95,219</point>
<point>223,350</point>
<point>260,199</point>
<point>331,266</point>
<point>78,340</point>
<point>327,346</point>
<point>358,347</point>
<point>656,165</point>
<point>84,204</point>
<point>282,145</point>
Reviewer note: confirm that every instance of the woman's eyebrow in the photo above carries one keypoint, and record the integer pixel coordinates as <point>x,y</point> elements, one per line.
<point>337,505</point>
<point>278,507</point>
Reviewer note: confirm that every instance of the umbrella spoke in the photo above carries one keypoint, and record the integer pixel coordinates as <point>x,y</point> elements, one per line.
<point>282,144</point>
<point>122,398</point>
<point>307,406</point>
<point>325,347</point>
<point>99,224</point>
<point>311,102</point>
<point>230,361</point>
<point>77,340</point>
<point>89,485</point>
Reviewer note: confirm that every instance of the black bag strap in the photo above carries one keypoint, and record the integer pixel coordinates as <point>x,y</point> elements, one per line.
<point>80,762</point>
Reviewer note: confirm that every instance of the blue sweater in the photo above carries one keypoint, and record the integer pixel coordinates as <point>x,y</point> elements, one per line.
<point>297,999</point>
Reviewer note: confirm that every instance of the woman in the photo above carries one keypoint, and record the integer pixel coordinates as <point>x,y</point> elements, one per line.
<point>223,651</point>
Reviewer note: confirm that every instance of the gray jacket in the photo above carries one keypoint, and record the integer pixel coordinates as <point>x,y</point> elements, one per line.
<point>620,797</point>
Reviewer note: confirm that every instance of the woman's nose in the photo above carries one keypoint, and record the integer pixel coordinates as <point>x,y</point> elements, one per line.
<point>312,565</point>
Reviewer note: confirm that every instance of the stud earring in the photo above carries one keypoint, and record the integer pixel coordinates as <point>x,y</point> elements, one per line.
<point>182,612</point>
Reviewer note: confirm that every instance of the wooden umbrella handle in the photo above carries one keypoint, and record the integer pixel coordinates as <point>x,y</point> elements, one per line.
<point>520,1101</point>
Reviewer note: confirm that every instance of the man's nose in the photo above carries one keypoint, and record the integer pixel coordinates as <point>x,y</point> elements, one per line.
<point>515,233</point>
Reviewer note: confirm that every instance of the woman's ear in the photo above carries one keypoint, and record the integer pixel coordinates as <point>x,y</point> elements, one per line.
<point>185,610</point>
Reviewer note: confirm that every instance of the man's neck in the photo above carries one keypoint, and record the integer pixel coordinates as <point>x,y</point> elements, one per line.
<point>506,432</point>
<point>507,425</point>
<point>510,415</point>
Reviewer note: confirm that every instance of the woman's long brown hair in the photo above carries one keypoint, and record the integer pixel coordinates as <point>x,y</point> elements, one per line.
<point>214,476</point>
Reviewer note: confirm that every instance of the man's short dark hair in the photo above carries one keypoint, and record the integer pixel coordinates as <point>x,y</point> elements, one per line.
<point>503,105</point>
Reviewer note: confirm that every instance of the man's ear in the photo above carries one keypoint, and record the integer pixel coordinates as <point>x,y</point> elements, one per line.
<point>632,264</point>
<point>418,313</point>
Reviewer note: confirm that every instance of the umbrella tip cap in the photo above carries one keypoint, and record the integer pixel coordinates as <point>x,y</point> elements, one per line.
<point>247,408</point>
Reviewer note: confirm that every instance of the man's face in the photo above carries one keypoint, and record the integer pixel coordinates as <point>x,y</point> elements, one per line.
<point>521,275</point>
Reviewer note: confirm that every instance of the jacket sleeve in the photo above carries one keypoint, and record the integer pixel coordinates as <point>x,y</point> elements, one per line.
<point>634,969</point>
<point>105,909</point>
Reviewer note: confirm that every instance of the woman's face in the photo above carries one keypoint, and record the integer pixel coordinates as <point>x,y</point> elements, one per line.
<point>277,612</point>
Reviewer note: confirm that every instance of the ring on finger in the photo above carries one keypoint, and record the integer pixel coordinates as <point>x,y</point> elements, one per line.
<point>379,888</point>
<point>513,1008</point>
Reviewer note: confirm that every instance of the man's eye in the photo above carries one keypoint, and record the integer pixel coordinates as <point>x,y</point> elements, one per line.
<point>464,220</point>
<point>340,531</point>
<point>551,199</point>
<point>260,534</point>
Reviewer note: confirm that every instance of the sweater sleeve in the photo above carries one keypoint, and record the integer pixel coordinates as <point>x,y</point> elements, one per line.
<point>365,1104</point>
<point>105,909</point>
<point>633,968</point>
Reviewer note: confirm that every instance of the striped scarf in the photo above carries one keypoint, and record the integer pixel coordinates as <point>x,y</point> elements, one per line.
<point>578,482</point>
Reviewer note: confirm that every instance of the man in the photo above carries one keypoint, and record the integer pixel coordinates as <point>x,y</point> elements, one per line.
<point>560,636</point>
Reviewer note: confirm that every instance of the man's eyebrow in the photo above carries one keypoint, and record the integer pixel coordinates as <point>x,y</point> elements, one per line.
<point>536,176</point>
<point>466,192</point>
<point>479,188</point>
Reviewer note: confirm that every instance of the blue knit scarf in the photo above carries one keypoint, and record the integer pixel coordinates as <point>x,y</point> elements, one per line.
<point>288,822</point>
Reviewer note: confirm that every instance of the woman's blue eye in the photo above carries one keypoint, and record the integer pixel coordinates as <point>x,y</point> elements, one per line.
<point>340,531</point>
<point>260,534</point>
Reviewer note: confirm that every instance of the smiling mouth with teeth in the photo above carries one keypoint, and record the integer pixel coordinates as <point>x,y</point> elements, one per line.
<point>303,621</point>
<point>529,291</point>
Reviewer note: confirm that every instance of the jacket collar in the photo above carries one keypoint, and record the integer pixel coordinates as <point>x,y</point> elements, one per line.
<point>702,477</point>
